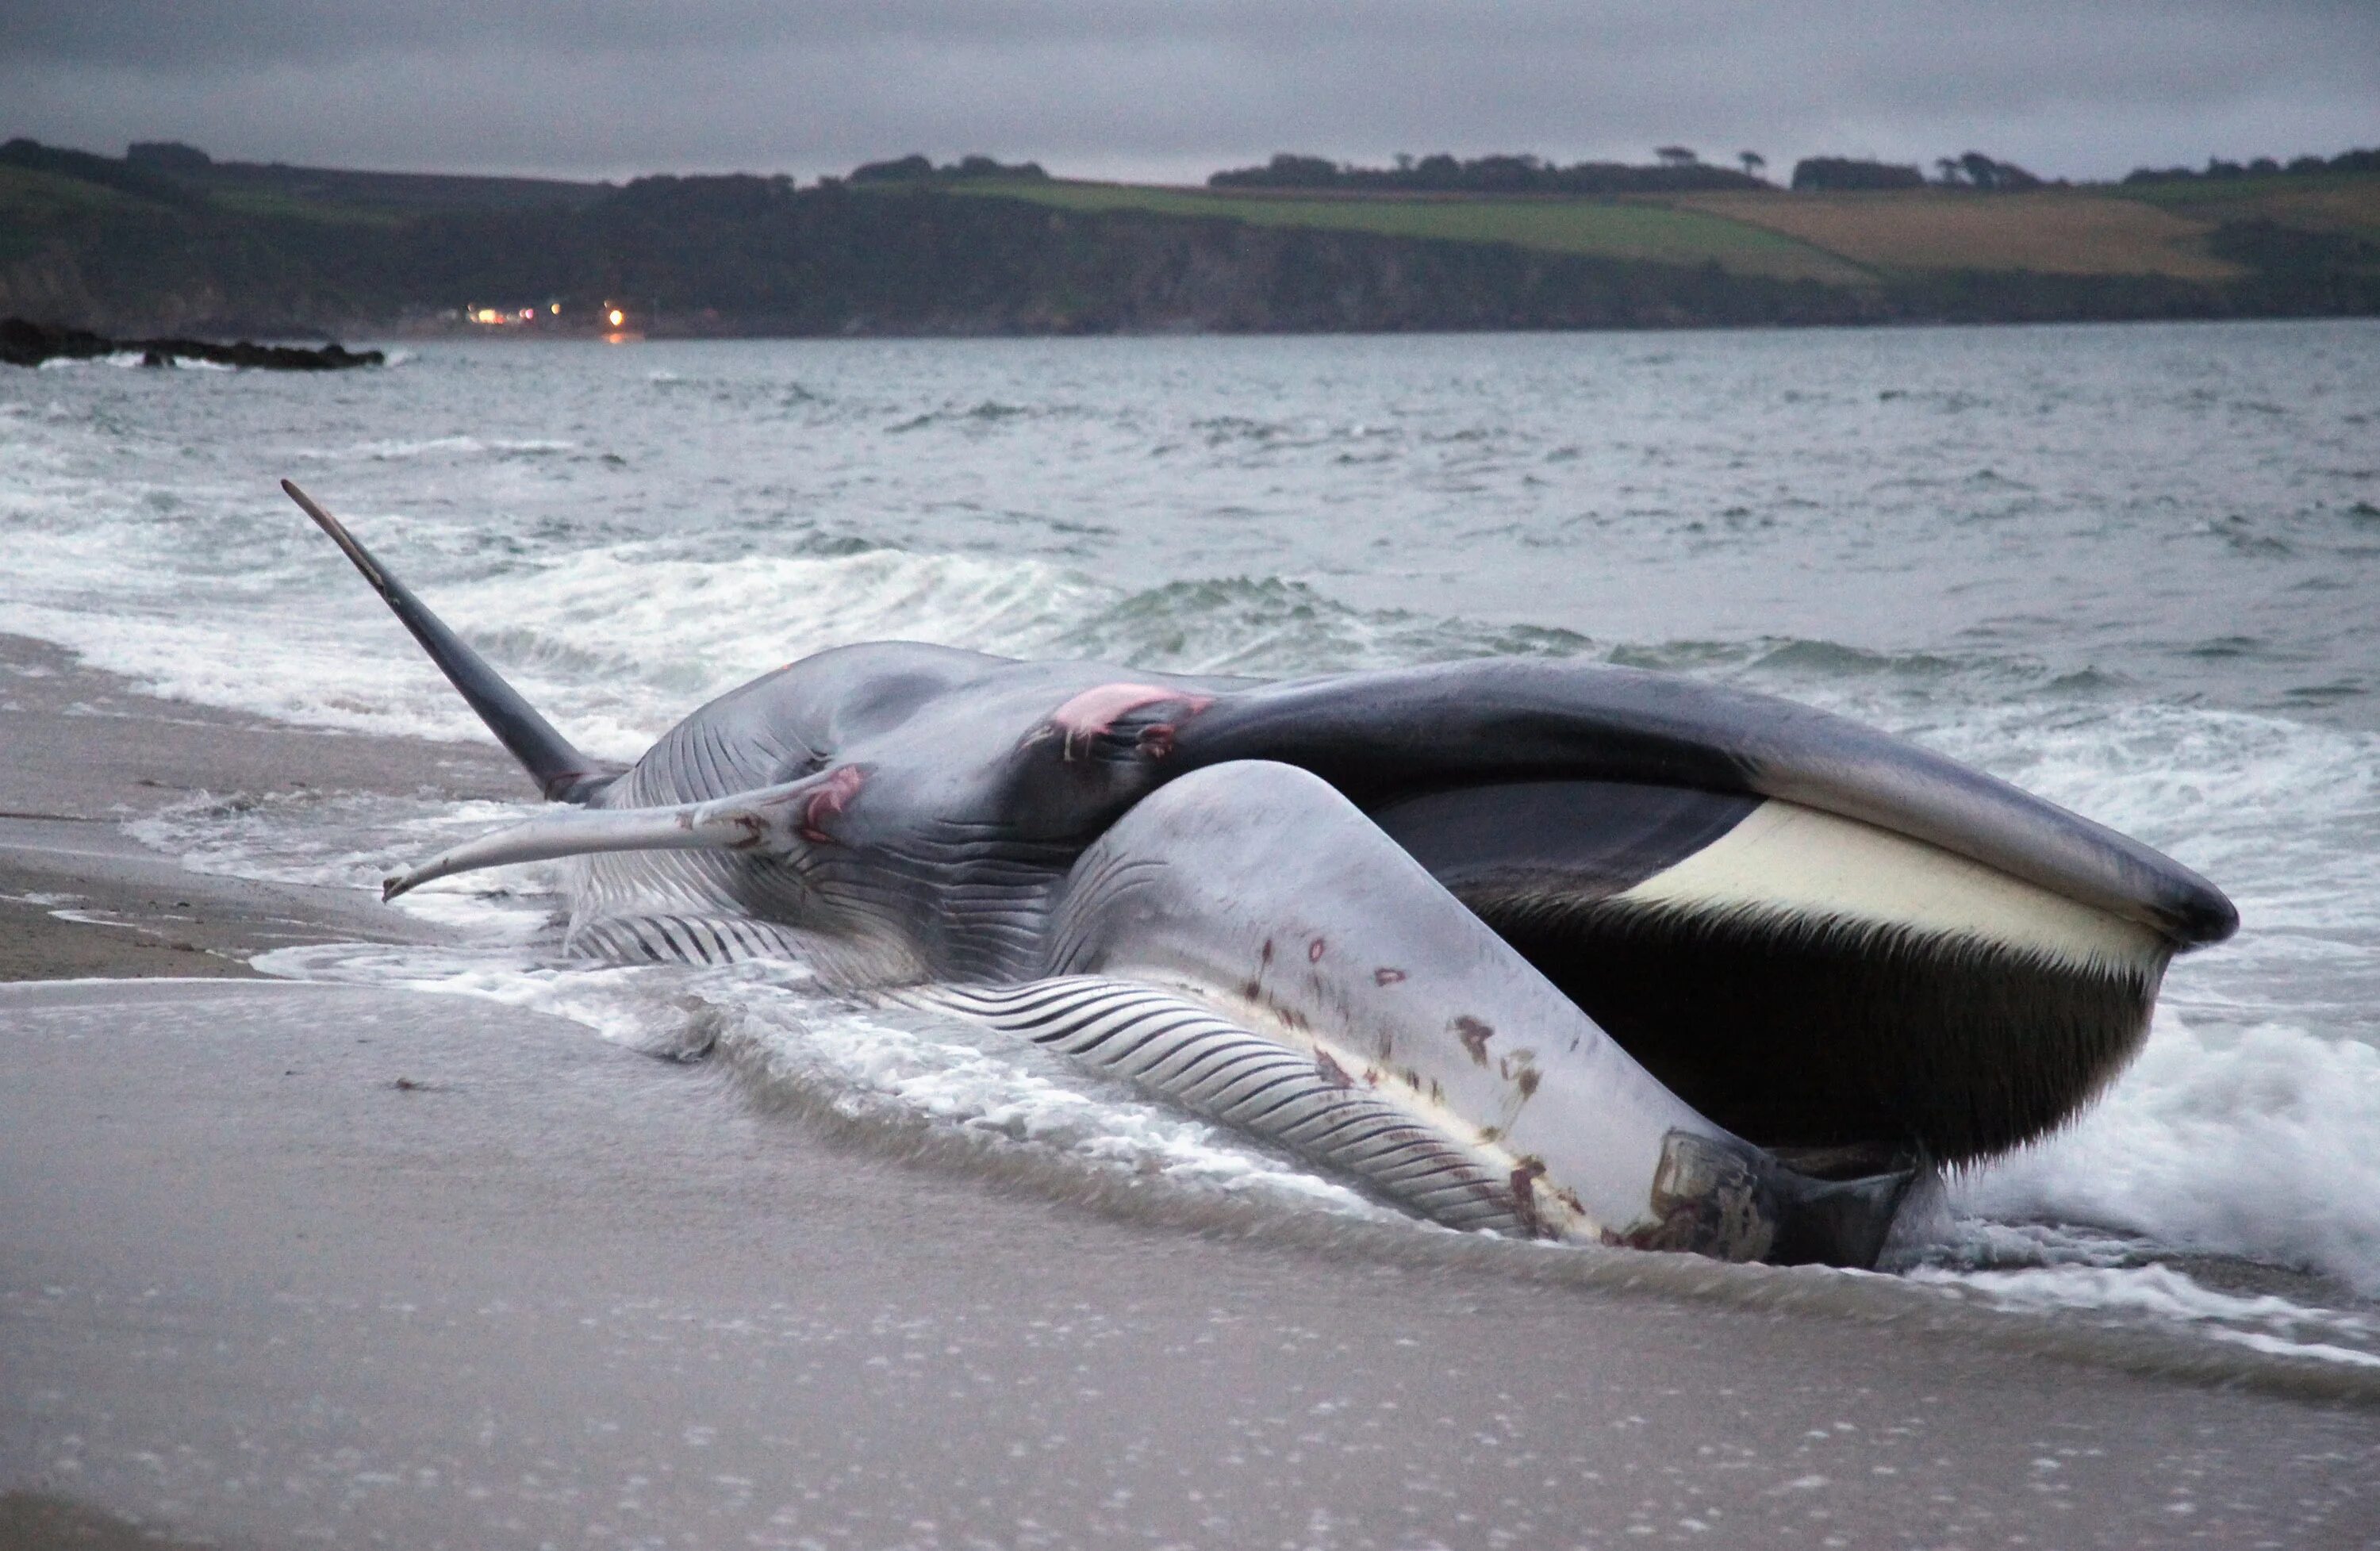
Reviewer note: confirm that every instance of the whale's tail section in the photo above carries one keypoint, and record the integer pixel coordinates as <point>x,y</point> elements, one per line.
<point>561,771</point>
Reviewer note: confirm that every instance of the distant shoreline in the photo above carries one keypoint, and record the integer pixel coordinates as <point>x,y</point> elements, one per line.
<point>256,250</point>
<point>434,332</point>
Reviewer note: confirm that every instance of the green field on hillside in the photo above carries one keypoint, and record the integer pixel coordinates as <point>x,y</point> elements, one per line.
<point>27,194</point>
<point>1596,227</point>
<point>1844,239</point>
<point>34,203</point>
<point>2346,203</point>
<point>2047,231</point>
<point>274,205</point>
<point>2238,192</point>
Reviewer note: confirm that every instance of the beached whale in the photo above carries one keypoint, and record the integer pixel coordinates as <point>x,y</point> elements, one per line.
<point>1564,950</point>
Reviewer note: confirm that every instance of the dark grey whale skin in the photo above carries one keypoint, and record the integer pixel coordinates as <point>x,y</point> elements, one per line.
<point>970,807</point>
<point>955,741</point>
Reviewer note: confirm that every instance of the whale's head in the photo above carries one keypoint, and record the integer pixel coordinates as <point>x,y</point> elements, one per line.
<point>1826,938</point>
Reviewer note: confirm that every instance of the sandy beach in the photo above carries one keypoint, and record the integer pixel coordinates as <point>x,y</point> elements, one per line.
<point>83,753</point>
<point>294,1263</point>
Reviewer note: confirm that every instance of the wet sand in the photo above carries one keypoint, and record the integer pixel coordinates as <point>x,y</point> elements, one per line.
<point>285,1265</point>
<point>83,752</point>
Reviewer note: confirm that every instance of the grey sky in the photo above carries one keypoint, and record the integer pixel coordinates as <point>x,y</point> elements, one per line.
<point>1173,89</point>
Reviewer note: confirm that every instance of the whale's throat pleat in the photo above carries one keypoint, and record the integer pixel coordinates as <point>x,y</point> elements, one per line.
<point>1284,1086</point>
<point>1805,980</point>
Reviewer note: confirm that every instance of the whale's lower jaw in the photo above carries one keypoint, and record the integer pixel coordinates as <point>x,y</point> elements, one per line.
<point>1284,1086</point>
<point>1294,1086</point>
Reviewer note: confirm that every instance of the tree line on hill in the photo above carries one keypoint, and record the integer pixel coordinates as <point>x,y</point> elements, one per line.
<point>1679,171</point>
<point>920,169</point>
<point>1676,170</point>
<point>2217,169</point>
<point>1976,170</point>
<point>756,256</point>
<point>1970,170</point>
<point>135,175</point>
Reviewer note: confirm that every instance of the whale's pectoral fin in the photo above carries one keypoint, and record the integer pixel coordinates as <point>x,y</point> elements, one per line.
<point>1259,891</point>
<point>770,820</point>
<point>561,771</point>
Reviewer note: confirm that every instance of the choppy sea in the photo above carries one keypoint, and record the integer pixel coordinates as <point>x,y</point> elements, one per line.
<point>2135,569</point>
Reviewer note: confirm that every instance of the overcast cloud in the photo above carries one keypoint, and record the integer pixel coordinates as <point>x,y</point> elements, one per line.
<point>1176,89</point>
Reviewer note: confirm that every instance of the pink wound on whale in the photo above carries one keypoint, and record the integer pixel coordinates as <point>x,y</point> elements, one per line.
<point>835,794</point>
<point>1094,711</point>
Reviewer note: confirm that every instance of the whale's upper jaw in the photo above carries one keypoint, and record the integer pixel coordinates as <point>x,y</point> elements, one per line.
<point>1387,736</point>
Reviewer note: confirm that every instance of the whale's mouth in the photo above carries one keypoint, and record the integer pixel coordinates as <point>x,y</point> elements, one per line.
<point>1837,993</point>
<point>1839,1044</point>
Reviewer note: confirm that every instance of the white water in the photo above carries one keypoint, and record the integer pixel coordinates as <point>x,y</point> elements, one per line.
<point>2131,569</point>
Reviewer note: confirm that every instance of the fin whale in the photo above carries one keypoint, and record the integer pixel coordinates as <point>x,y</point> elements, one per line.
<point>1572,952</point>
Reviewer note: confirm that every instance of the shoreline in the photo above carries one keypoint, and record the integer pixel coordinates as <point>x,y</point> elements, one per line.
<point>403,333</point>
<point>297,1261</point>
<point>89,752</point>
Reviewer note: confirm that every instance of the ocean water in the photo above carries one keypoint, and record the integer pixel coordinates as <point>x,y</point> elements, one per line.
<point>2135,569</point>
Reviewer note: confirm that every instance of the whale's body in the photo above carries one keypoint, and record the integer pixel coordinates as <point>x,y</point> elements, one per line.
<point>1573,951</point>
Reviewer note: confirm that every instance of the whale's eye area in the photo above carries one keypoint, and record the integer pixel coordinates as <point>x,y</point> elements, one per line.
<point>808,763</point>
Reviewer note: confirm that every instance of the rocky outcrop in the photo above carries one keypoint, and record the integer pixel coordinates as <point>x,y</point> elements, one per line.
<point>23,342</point>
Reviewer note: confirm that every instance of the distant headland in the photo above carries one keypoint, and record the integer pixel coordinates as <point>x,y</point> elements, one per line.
<point>166,241</point>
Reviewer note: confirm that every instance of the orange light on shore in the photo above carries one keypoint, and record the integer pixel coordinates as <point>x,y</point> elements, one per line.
<point>617,317</point>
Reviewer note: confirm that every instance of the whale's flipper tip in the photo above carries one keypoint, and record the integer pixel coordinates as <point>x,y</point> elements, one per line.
<point>311,507</point>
